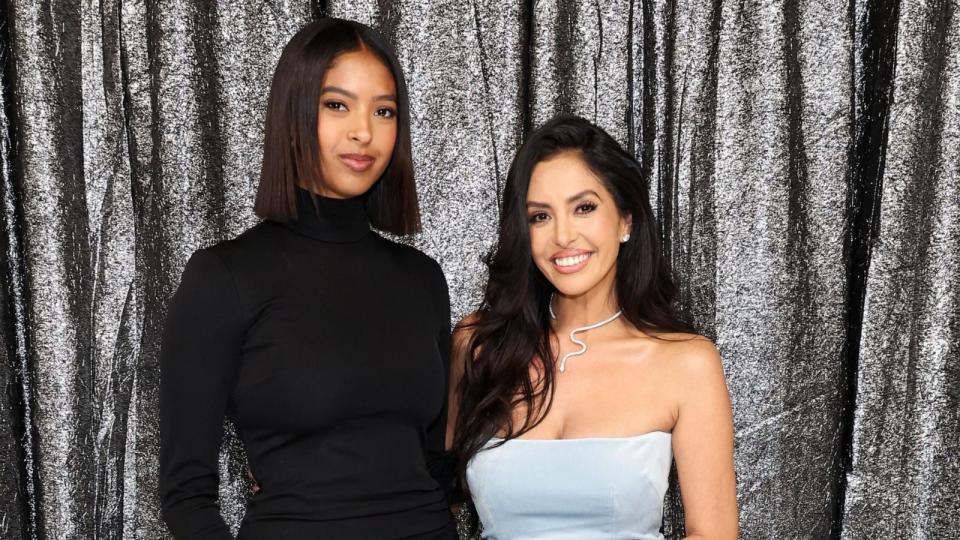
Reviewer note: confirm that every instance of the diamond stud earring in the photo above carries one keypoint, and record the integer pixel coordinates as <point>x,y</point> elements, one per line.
<point>624,238</point>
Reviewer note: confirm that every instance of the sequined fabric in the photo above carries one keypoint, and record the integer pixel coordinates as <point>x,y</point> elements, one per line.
<point>801,157</point>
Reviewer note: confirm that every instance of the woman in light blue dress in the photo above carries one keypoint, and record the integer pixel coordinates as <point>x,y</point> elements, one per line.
<point>575,385</point>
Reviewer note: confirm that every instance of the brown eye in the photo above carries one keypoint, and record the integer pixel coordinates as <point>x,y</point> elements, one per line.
<point>538,217</point>
<point>586,208</point>
<point>335,106</point>
<point>386,112</point>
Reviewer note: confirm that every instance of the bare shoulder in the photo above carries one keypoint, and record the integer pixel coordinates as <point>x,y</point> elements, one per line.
<point>689,357</point>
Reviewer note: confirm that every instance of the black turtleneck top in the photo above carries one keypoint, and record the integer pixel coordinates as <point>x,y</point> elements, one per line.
<point>327,346</point>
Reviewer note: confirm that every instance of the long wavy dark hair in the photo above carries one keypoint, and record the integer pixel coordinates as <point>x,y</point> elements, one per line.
<point>511,332</point>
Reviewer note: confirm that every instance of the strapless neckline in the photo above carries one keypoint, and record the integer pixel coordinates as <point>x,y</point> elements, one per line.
<point>587,439</point>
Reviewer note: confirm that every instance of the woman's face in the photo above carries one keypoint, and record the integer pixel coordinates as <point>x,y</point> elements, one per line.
<point>575,226</point>
<point>357,124</point>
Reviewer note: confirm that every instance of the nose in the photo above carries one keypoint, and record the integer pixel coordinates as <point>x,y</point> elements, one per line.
<point>360,129</point>
<point>564,231</point>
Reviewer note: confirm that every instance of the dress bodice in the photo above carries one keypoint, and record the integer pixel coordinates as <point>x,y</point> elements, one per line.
<point>583,489</point>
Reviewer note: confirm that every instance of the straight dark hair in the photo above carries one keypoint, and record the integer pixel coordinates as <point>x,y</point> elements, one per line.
<point>291,148</point>
<point>511,331</point>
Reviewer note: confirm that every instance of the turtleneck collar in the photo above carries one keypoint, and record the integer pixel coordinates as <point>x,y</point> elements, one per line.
<point>332,220</point>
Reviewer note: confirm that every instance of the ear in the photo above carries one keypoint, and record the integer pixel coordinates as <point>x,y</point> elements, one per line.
<point>626,224</point>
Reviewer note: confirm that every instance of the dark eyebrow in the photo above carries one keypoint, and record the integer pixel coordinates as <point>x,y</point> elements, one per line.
<point>351,95</point>
<point>583,194</point>
<point>338,90</point>
<point>571,199</point>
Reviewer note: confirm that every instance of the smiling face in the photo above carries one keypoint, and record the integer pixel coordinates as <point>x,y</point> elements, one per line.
<point>357,124</point>
<point>575,226</point>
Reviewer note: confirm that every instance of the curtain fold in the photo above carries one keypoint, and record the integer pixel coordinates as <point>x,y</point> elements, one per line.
<point>197,80</point>
<point>783,115</point>
<point>17,504</point>
<point>58,262</point>
<point>801,156</point>
<point>906,435</point>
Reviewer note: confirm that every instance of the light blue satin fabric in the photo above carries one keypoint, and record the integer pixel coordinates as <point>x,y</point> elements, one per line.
<point>576,489</point>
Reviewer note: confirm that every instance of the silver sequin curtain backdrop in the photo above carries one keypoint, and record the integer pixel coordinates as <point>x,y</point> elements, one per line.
<point>801,155</point>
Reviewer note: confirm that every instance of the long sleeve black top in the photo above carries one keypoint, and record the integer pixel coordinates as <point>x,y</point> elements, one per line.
<point>327,346</point>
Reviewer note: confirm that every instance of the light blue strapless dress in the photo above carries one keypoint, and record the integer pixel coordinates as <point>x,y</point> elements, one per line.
<point>582,489</point>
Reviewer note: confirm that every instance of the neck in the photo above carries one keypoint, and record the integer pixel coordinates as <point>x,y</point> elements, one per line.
<point>330,220</point>
<point>585,309</point>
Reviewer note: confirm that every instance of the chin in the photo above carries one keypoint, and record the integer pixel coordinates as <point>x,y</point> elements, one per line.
<point>573,285</point>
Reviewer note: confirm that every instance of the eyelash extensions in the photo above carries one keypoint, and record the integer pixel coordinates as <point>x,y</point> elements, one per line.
<point>533,218</point>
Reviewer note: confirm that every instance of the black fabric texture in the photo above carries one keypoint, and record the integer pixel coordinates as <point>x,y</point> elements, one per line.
<point>327,347</point>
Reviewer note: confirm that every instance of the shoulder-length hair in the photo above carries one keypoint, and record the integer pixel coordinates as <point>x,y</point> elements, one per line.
<point>291,149</point>
<point>510,333</point>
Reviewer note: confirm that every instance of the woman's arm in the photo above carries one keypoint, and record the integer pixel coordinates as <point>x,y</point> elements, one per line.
<point>439,462</point>
<point>703,442</point>
<point>198,362</point>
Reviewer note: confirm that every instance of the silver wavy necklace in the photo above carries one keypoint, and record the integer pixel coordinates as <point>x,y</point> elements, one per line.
<point>575,331</point>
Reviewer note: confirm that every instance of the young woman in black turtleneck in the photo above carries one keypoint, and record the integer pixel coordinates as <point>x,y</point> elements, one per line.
<point>324,343</point>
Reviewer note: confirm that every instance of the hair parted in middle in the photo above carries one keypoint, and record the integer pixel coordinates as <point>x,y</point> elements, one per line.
<point>291,148</point>
<point>511,331</point>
